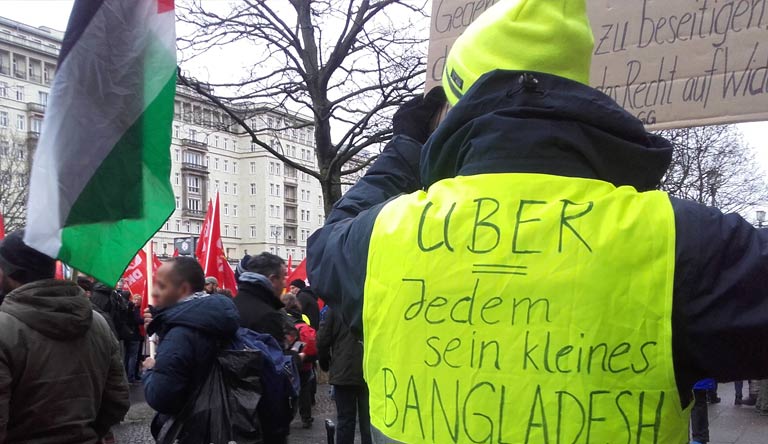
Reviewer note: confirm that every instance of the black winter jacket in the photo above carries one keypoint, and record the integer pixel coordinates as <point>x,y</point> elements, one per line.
<point>339,351</point>
<point>511,122</point>
<point>260,309</point>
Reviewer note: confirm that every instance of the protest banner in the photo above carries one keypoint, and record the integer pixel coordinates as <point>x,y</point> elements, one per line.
<point>670,63</point>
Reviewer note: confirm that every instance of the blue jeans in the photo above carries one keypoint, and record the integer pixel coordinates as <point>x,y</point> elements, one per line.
<point>131,360</point>
<point>352,405</point>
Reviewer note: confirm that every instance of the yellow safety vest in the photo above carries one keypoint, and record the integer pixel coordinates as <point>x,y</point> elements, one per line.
<point>523,308</point>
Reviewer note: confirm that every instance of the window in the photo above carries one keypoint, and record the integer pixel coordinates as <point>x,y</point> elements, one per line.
<point>20,93</point>
<point>277,169</point>
<point>253,189</point>
<point>226,143</point>
<point>42,98</point>
<point>234,167</point>
<point>253,167</point>
<point>226,209</point>
<point>235,230</point>
<point>271,167</point>
<point>277,190</point>
<point>198,227</point>
<point>193,204</point>
<point>226,230</point>
<point>217,184</point>
<point>320,219</point>
<point>253,231</point>
<point>216,163</point>
<point>193,184</point>
<point>303,235</point>
<point>3,89</point>
<point>178,225</point>
<point>303,215</point>
<point>226,187</point>
<point>234,145</point>
<point>192,134</point>
<point>20,122</point>
<point>234,189</point>
<point>252,211</point>
<point>177,179</point>
<point>178,202</point>
<point>226,165</point>
<point>234,210</point>
<point>177,155</point>
<point>176,131</point>
<point>35,124</point>
<point>186,226</point>
<point>3,119</point>
<point>216,141</point>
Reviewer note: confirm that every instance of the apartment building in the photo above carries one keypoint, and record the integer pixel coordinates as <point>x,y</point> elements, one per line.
<point>265,205</point>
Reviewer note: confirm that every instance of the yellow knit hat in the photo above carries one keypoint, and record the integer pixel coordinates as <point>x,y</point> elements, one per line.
<point>550,36</point>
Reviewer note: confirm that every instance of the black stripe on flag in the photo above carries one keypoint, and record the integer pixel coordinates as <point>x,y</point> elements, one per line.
<point>82,13</point>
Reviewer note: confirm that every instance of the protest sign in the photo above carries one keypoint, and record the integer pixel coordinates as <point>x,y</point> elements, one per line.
<point>670,63</point>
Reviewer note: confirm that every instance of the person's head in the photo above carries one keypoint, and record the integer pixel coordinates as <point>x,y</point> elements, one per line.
<point>177,279</point>
<point>136,299</point>
<point>552,37</point>
<point>296,286</point>
<point>86,284</point>
<point>270,266</point>
<point>211,285</point>
<point>21,264</point>
<point>291,302</point>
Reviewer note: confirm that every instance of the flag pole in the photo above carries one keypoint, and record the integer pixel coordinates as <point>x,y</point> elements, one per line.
<point>152,340</point>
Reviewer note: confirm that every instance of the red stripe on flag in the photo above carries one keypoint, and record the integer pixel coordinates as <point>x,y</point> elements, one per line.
<point>164,6</point>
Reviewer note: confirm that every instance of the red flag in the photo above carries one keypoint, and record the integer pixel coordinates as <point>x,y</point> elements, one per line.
<point>175,252</point>
<point>299,273</point>
<point>202,243</point>
<point>210,250</point>
<point>59,271</point>
<point>2,227</point>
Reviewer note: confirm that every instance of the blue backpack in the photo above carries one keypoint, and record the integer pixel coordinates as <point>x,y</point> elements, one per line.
<point>280,380</point>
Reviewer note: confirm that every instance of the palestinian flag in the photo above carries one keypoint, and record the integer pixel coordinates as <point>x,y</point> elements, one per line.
<point>100,185</point>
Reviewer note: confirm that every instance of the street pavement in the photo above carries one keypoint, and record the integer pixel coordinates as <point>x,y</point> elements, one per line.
<point>729,424</point>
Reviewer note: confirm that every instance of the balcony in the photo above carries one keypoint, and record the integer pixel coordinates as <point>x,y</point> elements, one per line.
<point>194,167</point>
<point>33,135</point>
<point>19,74</point>
<point>37,78</point>
<point>290,241</point>
<point>291,221</point>
<point>290,200</point>
<point>5,70</point>
<point>191,143</point>
<point>290,179</point>
<point>193,214</point>
<point>26,43</point>
<point>36,108</point>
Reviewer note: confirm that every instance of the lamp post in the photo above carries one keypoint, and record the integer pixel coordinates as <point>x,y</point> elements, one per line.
<point>760,218</point>
<point>276,232</point>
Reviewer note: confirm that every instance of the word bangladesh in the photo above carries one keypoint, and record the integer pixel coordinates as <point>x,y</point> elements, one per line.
<point>446,410</point>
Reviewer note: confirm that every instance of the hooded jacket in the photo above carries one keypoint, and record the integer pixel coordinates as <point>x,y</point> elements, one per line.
<point>259,308</point>
<point>516,122</point>
<point>309,306</point>
<point>191,333</point>
<point>61,371</point>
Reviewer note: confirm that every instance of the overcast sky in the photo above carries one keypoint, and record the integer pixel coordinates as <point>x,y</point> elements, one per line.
<point>54,14</point>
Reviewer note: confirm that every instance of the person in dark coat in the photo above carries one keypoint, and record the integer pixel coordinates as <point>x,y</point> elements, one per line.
<point>258,295</point>
<point>309,306</point>
<point>61,372</point>
<point>341,354</point>
<point>192,326</point>
<point>133,320</point>
<point>521,121</point>
<point>260,282</point>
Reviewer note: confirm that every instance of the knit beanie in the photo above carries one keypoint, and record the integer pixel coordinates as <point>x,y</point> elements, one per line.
<point>23,263</point>
<point>548,36</point>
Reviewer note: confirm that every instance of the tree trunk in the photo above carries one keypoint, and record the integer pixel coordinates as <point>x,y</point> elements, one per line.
<point>331,186</point>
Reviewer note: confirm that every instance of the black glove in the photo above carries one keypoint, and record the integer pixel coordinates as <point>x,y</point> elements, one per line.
<point>414,118</point>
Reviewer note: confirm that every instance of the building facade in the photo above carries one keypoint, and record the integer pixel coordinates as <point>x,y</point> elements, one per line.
<point>265,204</point>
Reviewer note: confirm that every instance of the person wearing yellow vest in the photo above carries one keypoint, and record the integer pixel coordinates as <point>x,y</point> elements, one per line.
<point>516,277</point>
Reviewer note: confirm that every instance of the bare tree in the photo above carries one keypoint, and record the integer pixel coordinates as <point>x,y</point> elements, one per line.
<point>713,165</point>
<point>14,179</point>
<point>346,63</point>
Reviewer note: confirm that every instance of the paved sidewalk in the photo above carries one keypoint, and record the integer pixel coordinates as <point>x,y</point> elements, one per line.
<point>729,424</point>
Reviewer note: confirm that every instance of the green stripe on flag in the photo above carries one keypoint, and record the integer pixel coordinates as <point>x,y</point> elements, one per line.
<point>108,246</point>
